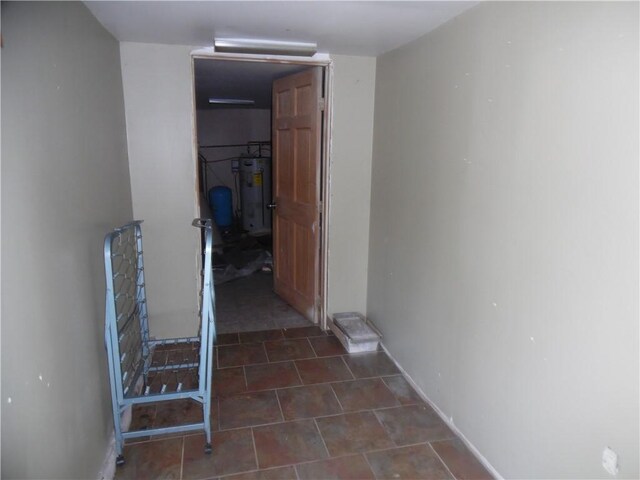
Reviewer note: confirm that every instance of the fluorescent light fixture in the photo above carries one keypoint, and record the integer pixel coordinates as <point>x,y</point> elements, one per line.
<point>231,101</point>
<point>264,47</point>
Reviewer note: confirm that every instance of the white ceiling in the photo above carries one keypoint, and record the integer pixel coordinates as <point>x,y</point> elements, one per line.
<point>341,27</point>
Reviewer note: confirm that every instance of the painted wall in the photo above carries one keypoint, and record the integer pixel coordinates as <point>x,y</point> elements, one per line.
<point>157,83</point>
<point>65,184</point>
<point>157,87</point>
<point>353,101</point>
<point>230,126</point>
<point>503,262</point>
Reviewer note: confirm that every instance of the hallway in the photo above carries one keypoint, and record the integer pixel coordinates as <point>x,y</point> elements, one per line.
<point>292,404</point>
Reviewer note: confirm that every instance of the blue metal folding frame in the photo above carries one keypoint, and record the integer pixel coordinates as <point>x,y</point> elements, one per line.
<point>132,354</point>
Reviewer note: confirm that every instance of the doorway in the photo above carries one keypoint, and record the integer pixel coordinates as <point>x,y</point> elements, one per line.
<point>269,267</point>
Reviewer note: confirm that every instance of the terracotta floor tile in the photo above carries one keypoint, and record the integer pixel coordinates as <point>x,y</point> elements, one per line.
<point>298,332</point>
<point>307,402</point>
<point>402,390</point>
<point>371,364</point>
<point>321,370</point>
<point>155,459</point>
<point>215,417</point>
<point>343,468</point>
<point>327,346</point>
<point>460,461</point>
<point>184,346</point>
<point>414,462</point>
<point>272,375</point>
<point>280,473</point>
<point>232,453</point>
<point>279,351</point>
<point>261,336</point>
<point>288,443</point>
<point>364,394</point>
<point>175,354</point>
<point>243,354</point>
<point>413,424</point>
<point>227,339</point>
<point>142,416</point>
<point>248,409</point>
<point>229,381</point>
<point>353,433</point>
<point>177,412</point>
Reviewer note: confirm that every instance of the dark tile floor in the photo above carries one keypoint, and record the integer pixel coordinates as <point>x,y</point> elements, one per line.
<point>248,304</point>
<point>291,404</point>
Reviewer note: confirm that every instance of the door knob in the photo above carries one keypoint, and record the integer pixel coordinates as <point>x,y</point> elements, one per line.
<point>271,206</point>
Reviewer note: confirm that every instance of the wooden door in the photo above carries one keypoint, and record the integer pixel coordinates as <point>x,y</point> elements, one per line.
<point>297,124</point>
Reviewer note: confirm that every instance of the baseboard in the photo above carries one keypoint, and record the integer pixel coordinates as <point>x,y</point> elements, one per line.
<point>108,470</point>
<point>476,453</point>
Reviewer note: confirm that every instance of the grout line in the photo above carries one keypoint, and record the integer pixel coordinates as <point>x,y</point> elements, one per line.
<point>273,363</point>
<point>311,385</point>
<point>298,372</point>
<point>366,459</point>
<point>311,346</point>
<point>337,457</point>
<point>322,438</point>
<point>294,465</point>
<point>336,395</point>
<point>279,406</point>
<point>255,449</point>
<point>353,377</point>
<point>353,412</point>
<point>384,428</point>
<point>442,461</point>
<point>217,399</point>
<point>401,406</point>
<point>395,448</point>
<point>245,472</point>
<point>244,375</point>
<point>182,459</point>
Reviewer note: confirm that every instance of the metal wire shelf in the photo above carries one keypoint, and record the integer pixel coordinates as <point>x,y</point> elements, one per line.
<point>144,370</point>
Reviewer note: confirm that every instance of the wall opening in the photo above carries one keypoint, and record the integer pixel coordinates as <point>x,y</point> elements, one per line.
<point>237,185</point>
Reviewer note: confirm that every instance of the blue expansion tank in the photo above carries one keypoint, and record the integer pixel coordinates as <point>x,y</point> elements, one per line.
<point>220,202</point>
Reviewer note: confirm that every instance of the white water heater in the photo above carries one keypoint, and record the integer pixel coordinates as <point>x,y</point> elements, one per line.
<point>255,194</point>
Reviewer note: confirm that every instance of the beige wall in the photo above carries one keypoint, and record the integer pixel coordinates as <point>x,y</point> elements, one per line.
<point>158,104</point>
<point>157,88</point>
<point>503,263</point>
<point>65,184</point>
<point>353,100</point>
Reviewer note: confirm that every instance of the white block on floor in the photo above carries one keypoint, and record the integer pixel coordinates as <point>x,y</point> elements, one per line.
<point>355,334</point>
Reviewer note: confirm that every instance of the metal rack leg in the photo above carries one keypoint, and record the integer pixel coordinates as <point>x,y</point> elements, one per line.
<point>206,407</point>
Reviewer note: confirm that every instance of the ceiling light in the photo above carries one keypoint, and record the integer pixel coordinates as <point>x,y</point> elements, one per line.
<point>264,47</point>
<point>231,101</point>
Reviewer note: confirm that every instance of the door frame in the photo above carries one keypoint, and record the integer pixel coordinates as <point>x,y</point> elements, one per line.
<point>325,158</point>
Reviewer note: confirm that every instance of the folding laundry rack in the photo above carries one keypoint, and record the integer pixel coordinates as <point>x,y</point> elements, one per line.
<point>143,370</point>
